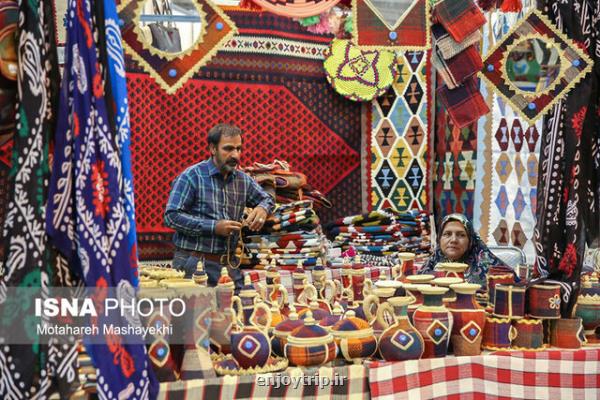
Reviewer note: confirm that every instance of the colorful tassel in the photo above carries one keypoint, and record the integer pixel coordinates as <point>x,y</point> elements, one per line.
<point>250,5</point>
<point>511,6</point>
<point>309,21</point>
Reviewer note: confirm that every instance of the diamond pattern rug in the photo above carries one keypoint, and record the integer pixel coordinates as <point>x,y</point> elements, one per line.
<point>507,180</point>
<point>399,143</point>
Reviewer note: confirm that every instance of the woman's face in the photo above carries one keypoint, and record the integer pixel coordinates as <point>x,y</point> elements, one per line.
<point>454,241</point>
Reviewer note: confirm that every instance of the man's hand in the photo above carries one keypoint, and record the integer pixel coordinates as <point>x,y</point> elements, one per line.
<point>256,219</point>
<point>226,227</point>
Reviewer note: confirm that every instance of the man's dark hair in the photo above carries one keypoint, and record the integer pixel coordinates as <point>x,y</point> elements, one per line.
<point>227,130</point>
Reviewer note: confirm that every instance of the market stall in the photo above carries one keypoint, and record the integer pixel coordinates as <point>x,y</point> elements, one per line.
<point>266,199</point>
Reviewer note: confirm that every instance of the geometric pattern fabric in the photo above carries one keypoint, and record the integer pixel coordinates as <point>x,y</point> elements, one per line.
<point>454,167</point>
<point>507,182</point>
<point>513,179</point>
<point>399,142</point>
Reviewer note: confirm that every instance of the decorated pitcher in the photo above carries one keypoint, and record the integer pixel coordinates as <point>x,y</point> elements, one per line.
<point>434,322</point>
<point>400,341</point>
<point>250,344</point>
<point>468,320</point>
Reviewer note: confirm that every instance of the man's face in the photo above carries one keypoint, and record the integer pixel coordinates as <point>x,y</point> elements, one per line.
<point>227,154</point>
<point>454,241</point>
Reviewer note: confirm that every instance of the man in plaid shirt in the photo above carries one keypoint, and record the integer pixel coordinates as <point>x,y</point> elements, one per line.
<point>206,207</point>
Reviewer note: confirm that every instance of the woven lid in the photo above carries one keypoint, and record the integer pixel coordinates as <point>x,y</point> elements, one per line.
<point>350,323</point>
<point>310,332</point>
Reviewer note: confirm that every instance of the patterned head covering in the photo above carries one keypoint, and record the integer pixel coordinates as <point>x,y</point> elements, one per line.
<point>478,256</point>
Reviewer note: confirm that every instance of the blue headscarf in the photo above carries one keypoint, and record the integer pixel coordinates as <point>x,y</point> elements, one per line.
<point>478,256</point>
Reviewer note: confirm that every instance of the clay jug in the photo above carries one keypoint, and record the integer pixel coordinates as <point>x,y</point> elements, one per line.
<point>434,322</point>
<point>469,320</point>
<point>400,341</point>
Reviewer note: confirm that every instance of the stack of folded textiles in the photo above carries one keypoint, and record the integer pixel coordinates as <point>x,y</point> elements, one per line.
<point>292,233</point>
<point>284,185</point>
<point>382,233</point>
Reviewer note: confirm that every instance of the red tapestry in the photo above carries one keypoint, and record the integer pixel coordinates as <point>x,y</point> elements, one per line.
<point>280,99</point>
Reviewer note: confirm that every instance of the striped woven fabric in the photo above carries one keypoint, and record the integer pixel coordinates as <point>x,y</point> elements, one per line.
<point>550,374</point>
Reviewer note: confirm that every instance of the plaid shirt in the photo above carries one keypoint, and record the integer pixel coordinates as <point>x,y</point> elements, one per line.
<point>200,197</point>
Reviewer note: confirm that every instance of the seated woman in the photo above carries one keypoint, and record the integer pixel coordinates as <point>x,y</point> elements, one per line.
<point>458,242</point>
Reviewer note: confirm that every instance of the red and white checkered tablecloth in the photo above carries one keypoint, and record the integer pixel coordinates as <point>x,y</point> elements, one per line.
<point>348,382</point>
<point>549,374</point>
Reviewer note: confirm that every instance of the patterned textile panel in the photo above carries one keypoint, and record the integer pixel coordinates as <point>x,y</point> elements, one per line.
<point>507,178</point>
<point>270,81</point>
<point>5,154</point>
<point>454,166</point>
<point>399,139</point>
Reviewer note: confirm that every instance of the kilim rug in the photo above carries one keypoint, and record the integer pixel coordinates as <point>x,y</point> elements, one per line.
<point>506,178</point>
<point>399,139</point>
<point>454,166</point>
<point>269,80</point>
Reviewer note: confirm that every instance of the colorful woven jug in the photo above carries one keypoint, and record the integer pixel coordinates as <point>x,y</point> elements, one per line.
<point>250,344</point>
<point>434,322</point>
<point>400,341</point>
<point>359,75</point>
<point>469,320</point>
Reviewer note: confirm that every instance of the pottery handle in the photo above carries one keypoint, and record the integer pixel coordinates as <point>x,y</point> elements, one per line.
<point>513,333</point>
<point>309,293</point>
<point>262,291</point>
<point>331,298</point>
<point>367,287</point>
<point>239,314</point>
<point>283,300</point>
<point>367,304</point>
<point>267,310</point>
<point>381,310</point>
<point>339,288</point>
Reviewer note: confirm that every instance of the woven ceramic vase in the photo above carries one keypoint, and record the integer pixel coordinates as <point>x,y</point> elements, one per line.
<point>469,320</point>
<point>588,309</point>
<point>543,301</point>
<point>407,267</point>
<point>250,345</point>
<point>497,279</point>
<point>509,301</point>
<point>354,338</point>
<point>310,344</point>
<point>434,322</point>
<point>498,333</point>
<point>400,341</point>
<point>529,334</point>
<point>567,333</point>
